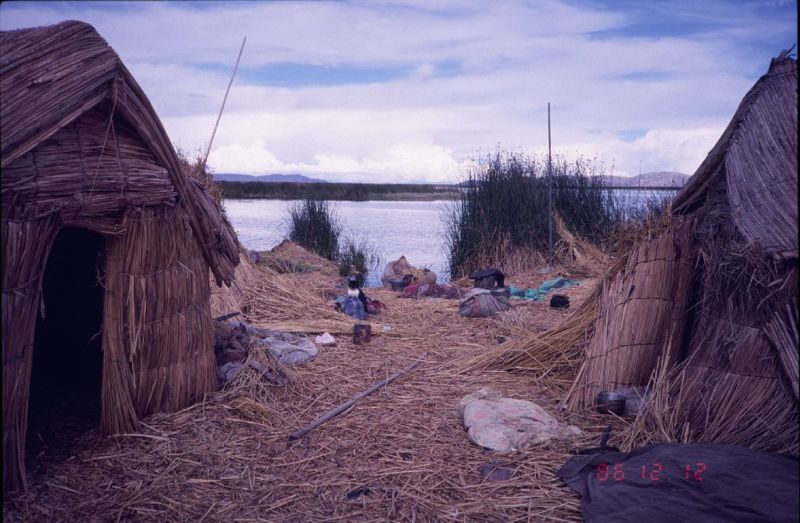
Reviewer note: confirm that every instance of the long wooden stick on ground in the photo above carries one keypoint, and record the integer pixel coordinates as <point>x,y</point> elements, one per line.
<point>349,403</point>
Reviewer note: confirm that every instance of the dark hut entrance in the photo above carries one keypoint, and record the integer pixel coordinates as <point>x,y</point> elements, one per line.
<point>66,374</point>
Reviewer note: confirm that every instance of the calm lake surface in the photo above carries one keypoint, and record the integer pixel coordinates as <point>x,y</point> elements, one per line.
<point>394,228</point>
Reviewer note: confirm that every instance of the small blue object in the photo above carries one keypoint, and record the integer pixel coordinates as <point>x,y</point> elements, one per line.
<point>540,292</point>
<point>352,306</point>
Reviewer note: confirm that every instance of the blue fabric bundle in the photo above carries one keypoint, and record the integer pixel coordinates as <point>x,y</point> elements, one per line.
<point>540,292</point>
<point>351,306</point>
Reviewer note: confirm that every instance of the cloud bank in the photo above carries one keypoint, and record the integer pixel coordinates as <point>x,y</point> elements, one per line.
<point>410,91</point>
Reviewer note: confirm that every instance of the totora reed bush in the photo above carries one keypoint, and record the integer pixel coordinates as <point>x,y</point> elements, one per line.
<point>315,226</point>
<point>502,215</point>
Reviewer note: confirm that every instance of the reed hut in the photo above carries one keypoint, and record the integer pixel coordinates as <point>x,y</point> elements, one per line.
<point>712,292</point>
<point>106,243</point>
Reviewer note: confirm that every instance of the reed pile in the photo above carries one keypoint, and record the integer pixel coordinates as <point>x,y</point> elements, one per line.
<point>292,302</point>
<point>554,355</point>
<point>236,297</point>
<point>289,257</point>
<point>576,254</point>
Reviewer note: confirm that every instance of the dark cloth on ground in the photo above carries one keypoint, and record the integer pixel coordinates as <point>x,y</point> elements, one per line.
<point>488,278</point>
<point>559,301</point>
<point>373,306</point>
<point>685,482</point>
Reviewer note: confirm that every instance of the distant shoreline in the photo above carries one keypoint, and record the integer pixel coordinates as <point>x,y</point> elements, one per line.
<point>359,192</point>
<point>400,197</point>
<point>336,191</point>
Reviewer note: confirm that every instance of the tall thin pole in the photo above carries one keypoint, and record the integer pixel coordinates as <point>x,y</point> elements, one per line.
<point>222,108</point>
<point>549,184</point>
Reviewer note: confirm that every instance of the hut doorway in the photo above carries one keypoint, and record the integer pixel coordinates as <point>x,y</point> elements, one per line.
<point>66,373</point>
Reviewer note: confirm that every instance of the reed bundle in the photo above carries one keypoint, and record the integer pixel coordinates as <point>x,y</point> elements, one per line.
<point>782,332</point>
<point>236,297</point>
<point>280,302</point>
<point>687,408</point>
<point>288,257</point>
<point>554,354</point>
<point>286,302</point>
<point>578,254</point>
<point>640,305</point>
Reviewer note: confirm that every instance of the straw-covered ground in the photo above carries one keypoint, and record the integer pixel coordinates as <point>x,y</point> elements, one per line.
<point>399,454</point>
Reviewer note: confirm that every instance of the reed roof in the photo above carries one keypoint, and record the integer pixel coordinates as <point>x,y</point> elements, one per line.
<point>757,154</point>
<point>50,76</point>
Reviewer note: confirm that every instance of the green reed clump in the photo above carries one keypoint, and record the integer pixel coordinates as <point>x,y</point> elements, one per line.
<point>504,208</point>
<point>315,226</point>
<point>357,255</point>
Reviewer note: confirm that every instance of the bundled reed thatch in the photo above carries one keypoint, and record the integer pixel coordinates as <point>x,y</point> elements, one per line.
<point>640,306</point>
<point>237,297</point>
<point>705,297</point>
<point>83,148</point>
<point>710,292</point>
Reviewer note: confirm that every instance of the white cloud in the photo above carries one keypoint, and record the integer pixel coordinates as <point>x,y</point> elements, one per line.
<point>478,75</point>
<point>663,149</point>
<point>405,162</point>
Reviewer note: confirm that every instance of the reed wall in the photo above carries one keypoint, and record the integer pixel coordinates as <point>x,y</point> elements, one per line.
<point>641,311</point>
<point>97,173</point>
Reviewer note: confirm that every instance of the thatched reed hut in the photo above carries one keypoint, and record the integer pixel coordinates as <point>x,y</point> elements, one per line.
<point>712,293</point>
<point>106,243</point>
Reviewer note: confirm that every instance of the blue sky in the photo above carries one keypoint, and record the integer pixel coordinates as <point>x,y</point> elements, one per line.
<point>412,90</point>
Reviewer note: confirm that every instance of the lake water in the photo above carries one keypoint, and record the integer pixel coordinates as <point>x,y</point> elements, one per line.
<point>394,228</point>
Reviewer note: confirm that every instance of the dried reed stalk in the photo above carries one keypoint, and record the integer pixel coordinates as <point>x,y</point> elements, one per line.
<point>556,352</point>
<point>578,254</point>
<point>782,332</point>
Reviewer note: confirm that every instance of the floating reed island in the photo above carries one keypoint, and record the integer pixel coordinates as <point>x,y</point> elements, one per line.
<point>699,308</point>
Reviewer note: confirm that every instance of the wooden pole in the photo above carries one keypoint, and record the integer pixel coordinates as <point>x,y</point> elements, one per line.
<point>214,132</point>
<point>549,185</point>
<point>346,405</point>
